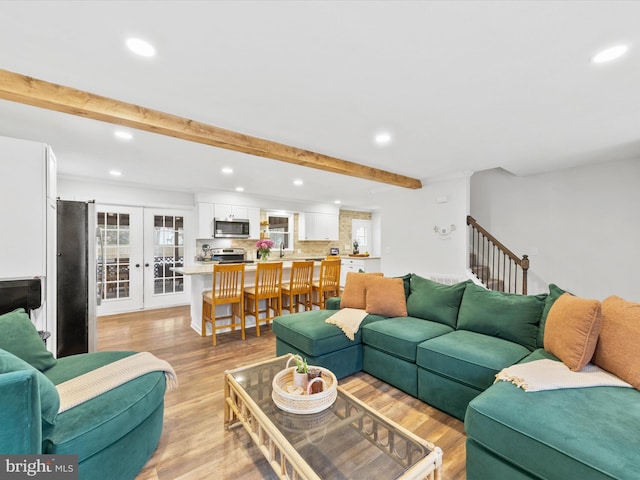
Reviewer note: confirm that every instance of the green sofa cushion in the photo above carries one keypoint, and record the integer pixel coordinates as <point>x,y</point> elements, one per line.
<point>554,293</point>
<point>333,303</point>
<point>49,398</point>
<point>400,336</point>
<point>468,357</point>
<point>95,425</point>
<point>434,301</point>
<point>585,433</point>
<point>19,336</point>
<point>310,334</point>
<point>503,315</point>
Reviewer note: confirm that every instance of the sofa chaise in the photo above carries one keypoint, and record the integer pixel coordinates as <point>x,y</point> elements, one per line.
<point>113,434</point>
<point>446,348</point>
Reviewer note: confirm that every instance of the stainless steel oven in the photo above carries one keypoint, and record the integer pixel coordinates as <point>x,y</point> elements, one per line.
<point>229,255</point>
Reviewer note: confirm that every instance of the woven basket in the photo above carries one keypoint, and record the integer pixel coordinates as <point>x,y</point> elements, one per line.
<point>304,403</point>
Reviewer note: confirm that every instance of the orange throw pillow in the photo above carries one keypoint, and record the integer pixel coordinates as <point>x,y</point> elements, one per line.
<point>617,350</point>
<point>353,295</point>
<point>572,330</point>
<point>385,296</point>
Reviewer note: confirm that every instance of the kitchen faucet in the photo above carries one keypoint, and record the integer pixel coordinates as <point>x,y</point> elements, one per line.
<point>281,249</point>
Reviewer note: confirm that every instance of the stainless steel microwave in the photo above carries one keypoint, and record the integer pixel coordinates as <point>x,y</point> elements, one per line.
<point>230,228</point>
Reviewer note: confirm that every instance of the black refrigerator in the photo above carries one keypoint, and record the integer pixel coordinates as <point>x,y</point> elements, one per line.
<point>77,286</point>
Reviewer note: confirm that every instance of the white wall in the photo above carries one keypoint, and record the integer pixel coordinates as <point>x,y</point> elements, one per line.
<point>409,244</point>
<point>111,193</point>
<point>581,221</point>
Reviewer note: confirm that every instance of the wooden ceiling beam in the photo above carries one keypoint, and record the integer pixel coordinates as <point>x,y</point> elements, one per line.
<point>39,93</point>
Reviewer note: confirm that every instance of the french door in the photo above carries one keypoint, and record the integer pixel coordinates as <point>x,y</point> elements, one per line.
<point>139,248</point>
<point>119,259</point>
<point>164,250</point>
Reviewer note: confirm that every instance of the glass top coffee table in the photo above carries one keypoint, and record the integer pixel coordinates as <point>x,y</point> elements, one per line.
<point>348,440</point>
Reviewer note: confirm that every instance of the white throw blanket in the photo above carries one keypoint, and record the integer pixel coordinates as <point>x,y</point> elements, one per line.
<point>96,382</point>
<point>349,320</point>
<point>551,375</point>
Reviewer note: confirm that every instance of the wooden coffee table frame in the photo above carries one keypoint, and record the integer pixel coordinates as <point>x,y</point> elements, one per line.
<point>287,463</point>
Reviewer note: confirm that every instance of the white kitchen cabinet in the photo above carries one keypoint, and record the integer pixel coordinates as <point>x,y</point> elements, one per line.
<point>231,211</point>
<point>204,216</point>
<point>318,226</point>
<point>358,264</point>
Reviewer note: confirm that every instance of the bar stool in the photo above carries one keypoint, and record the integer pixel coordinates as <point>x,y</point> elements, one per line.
<point>328,284</point>
<point>268,287</point>
<point>227,288</point>
<point>300,283</point>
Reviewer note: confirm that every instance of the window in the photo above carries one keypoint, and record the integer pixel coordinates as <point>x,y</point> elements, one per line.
<point>361,233</point>
<point>281,229</point>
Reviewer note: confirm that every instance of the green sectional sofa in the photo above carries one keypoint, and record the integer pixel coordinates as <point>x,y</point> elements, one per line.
<point>447,352</point>
<point>113,434</point>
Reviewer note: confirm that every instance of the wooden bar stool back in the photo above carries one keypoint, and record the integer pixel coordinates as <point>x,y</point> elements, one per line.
<point>328,284</point>
<point>268,287</point>
<point>300,283</point>
<point>228,288</point>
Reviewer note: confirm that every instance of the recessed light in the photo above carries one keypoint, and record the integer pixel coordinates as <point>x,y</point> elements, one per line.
<point>140,47</point>
<point>383,138</point>
<point>115,173</point>
<point>227,170</point>
<point>337,202</point>
<point>239,189</point>
<point>610,54</point>
<point>123,135</point>
<point>297,182</point>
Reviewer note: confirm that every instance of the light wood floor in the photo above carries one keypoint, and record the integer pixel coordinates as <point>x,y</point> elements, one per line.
<point>194,444</point>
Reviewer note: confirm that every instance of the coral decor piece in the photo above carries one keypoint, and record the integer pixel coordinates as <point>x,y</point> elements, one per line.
<point>264,249</point>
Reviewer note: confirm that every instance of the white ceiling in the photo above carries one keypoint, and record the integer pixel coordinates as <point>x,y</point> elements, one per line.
<point>462,86</point>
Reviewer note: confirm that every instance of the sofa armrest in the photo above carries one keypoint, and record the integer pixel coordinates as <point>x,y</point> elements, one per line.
<point>332,303</point>
<point>20,416</point>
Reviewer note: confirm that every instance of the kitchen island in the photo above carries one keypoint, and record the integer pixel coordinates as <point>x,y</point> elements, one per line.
<point>202,278</point>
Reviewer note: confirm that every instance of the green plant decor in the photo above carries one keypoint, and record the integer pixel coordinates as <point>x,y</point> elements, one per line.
<point>301,365</point>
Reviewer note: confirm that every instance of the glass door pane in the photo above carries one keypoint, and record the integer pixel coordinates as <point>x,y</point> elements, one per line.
<point>168,252</point>
<point>115,266</point>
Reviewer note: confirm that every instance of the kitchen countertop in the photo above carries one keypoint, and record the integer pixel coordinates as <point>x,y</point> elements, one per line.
<point>204,268</point>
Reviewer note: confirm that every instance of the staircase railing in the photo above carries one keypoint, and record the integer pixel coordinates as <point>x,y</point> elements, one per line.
<point>497,267</point>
